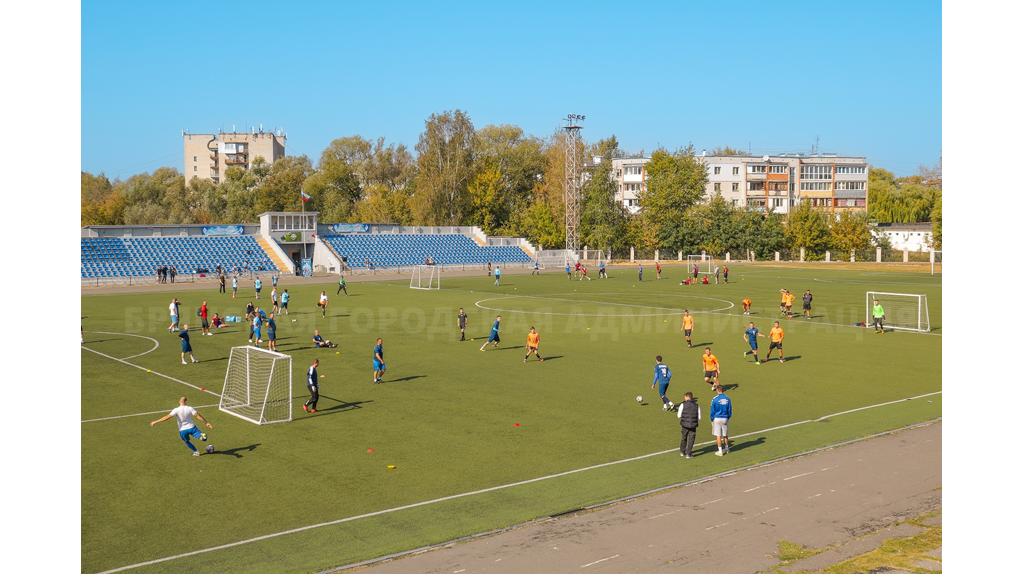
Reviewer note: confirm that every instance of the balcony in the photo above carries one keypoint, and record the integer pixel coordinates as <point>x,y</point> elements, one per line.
<point>236,161</point>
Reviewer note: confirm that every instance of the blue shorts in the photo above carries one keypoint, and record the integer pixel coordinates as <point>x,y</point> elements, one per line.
<point>271,335</point>
<point>258,289</point>
<point>494,337</point>
<point>378,365</point>
<point>185,347</point>
<point>662,387</point>
<point>192,432</point>
<point>753,345</point>
<point>174,318</point>
<point>256,333</point>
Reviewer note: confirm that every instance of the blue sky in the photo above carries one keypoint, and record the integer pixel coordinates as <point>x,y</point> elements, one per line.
<point>865,77</point>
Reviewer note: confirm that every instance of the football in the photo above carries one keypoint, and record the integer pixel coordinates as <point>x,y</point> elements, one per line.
<point>209,449</point>
<point>639,399</point>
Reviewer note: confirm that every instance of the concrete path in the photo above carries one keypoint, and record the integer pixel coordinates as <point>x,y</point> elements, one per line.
<point>728,524</point>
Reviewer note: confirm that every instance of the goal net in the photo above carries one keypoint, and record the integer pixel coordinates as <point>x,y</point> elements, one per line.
<point>425,277</point>
<point>904,311</point>
<point>258,386</point>
<point>705,264</point>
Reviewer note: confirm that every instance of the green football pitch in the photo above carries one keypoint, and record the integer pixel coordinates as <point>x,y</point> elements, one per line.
<point>478,440</point>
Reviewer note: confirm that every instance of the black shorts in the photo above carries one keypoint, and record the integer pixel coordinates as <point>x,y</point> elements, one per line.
<point>206,323</point>
<point>775,345</point>
<point>284,305</point>
<point>687,332</point>
<point>789,308</point>
<point>710,374</point>
<point>807,306</point>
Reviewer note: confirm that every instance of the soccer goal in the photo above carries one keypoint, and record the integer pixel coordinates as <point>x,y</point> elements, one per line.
<point>905,311</point>
<point>425,277</point>
<point>705,264</point>
<point>258,386</point>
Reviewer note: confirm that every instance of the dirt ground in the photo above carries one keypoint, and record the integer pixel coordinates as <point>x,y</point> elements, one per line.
<point>727,524</point>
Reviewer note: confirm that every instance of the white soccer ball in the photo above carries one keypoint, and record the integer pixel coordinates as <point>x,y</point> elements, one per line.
<point>209,449</point>
<point>639,399</point>
<point>671,405</point>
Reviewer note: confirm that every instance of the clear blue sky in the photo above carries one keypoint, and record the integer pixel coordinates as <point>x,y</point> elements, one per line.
<point>865,77</point>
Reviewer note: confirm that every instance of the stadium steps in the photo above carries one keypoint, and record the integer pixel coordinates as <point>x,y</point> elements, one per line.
<point>271,253</point>
<point>479,241</point>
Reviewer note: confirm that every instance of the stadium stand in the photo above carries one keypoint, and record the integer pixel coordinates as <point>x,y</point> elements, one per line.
<point>140,256</point>
<point>386,250</point>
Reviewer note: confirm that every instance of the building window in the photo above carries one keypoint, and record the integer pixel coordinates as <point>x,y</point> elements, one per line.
<point>736,171</point>
<point>194,158</point>
<point>195,168</point>
<point>849,169</point>
<point>618,173</point>
<point>757,169</point>
<point>755,186</point>
<point>815,186</point>
<point>718,170</point>
<point>735,187</point>
<point>777,169</point>
<point>735,202</point>
<point>777,202</point>
<point>718,187</point>
<point>850,185</point>
<point>815,172</point>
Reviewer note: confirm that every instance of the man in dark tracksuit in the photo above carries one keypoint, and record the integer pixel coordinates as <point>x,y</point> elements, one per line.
<point>313,386</point>
<point>689,418</point>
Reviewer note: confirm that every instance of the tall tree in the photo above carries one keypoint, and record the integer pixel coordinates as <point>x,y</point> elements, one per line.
<point>602,219</point>
<point>281,191</point>
<point>849,231</point>
<point>334,187</point>
<point>445,163</point>
<point>808,228</point>
<point>675,182</point>
<point>102,204</point>
<point>727,151</point>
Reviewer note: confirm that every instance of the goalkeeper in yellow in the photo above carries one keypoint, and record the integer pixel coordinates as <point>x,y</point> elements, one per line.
<point>879,315</point>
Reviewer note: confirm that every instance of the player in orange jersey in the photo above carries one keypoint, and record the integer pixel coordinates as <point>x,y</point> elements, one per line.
<point>746,306</point>
<point>711,367</point>
<point>776,335</point>
<point>687,327</point>
<point>532,343</point>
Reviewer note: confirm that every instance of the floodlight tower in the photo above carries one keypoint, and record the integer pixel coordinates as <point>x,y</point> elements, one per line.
<point>573,195</point>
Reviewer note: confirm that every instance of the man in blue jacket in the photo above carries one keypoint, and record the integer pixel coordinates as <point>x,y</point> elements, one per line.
<point>721,412</point>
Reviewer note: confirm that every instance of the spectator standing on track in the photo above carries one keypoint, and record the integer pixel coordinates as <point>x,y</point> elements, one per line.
<point>689,419</point>
<point>721,412</point>
<point>174,273</point>
<point>313,386</point>
<point>488,268</point>
<point>223,287</point>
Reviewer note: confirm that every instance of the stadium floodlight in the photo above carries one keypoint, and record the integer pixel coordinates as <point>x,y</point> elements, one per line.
<point>258,386</point>
<point>904,311</point>
<point>425,277</point>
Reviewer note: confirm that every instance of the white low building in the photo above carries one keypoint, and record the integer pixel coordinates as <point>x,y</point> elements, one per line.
<point>910,236</point>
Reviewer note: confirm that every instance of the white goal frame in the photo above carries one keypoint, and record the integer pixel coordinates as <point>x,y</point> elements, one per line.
<point>705,264</point>
<point>433,277</point>
<point>262,401</point>
<point>911,316</point>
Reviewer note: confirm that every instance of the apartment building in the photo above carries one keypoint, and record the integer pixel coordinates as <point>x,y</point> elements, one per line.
<point>208,156</point>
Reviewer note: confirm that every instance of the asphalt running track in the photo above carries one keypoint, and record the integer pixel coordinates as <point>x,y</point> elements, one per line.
<point>727,524</point>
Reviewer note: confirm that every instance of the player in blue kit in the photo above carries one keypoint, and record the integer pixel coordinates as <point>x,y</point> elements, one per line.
<point>258,285</point>
<point>662,376</point>
<point>751,335</point>
<point>186,346</point>
<point>568,271</point>
<point>257,329</point>
<point>284,301</point>
<point>496,328</point>
<point>378,362</point>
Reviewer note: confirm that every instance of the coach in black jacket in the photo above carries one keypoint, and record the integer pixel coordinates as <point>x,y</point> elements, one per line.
<point>689,418</point>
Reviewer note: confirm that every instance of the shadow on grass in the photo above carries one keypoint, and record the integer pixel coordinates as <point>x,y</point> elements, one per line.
<point>234,451</point>
<point>409,378</point>
<point>553,358</point>
<point>341,407</point>
<point>507,348</point>
<point>708,344</point>
<point>728,388</point>
<point>735,446</point>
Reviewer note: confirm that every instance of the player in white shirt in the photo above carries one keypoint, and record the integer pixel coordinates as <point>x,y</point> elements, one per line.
<point>186,428</point>
<point>173,310</point>
<point>323,302</point>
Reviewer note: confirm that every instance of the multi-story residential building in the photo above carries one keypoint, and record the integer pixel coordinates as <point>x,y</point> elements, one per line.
<point>207,156</point>
<point>630,177</point>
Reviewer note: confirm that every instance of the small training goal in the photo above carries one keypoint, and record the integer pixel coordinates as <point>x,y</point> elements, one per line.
<point>425,277</point>
<point>705,264</point>
<point>904,311</point>
<point>258,386</point>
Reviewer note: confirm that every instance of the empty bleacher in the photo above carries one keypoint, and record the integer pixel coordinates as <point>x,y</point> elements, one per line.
<point>387,250</point>
<point>140,256</point>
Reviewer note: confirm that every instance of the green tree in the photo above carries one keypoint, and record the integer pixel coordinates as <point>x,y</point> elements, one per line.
<point>382,204</point>
<point>281,191</point>
<point>334,187</point>
<point>602,219</point>
<point>675,182</point>
<point>517,160</point>
<point>445,163</point>
<point>808,228</point>
<point>485,208</point>
<point>102,204</point>
<point>849,231</point>
<point>727,151</point>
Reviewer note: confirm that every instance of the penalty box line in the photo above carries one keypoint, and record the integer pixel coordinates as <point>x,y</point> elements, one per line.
<point>482,491</point>
<point>149,371</point>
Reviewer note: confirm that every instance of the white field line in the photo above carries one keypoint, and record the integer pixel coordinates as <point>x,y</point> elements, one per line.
<point>671,310</point>
<point>156,344</point>
<point>472,493</point>
<point>148,370</point>
<point>142,414</point>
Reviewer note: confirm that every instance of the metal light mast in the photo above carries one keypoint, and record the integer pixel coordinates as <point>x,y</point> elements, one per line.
<point>573,195</point>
